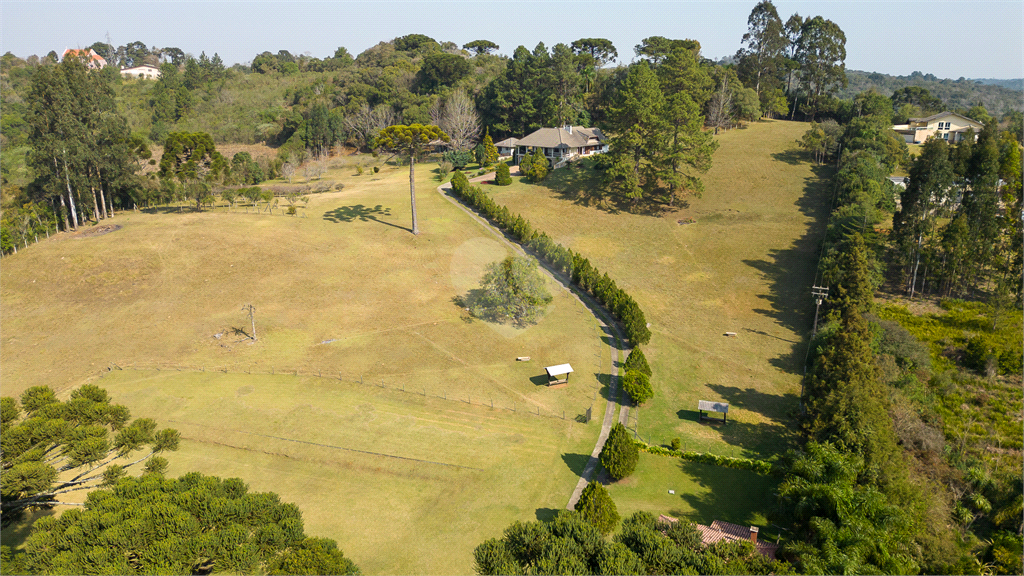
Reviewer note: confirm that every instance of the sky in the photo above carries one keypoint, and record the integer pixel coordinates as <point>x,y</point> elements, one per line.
<point>951,39</point>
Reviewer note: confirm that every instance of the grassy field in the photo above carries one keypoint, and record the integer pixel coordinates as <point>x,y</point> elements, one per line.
<point>745,264</point>
<point>347,292</point>
<point>405,483</point>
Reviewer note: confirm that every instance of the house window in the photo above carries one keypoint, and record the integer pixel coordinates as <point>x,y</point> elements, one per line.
<point>945,135</point>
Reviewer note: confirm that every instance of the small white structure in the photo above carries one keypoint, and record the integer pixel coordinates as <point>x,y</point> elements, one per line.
<point>556,373</point>
<point>144,71</point>
<point>706,406</point>
<point>949,126</point>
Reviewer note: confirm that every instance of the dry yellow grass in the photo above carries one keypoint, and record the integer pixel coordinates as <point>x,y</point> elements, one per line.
<point>745,265</point>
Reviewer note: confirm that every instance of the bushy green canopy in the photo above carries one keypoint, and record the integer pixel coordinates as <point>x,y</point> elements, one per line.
<point>512,290</point>
<point>193,524</point>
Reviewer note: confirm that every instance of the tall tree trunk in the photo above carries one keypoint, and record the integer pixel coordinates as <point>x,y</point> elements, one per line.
<point>103,199</point>
<point>95,205</point>
<point>71,198</point>
<point>64,213</point>
<point>412,193</point>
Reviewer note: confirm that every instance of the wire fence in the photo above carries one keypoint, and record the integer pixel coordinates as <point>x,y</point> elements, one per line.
<point>374,381</point>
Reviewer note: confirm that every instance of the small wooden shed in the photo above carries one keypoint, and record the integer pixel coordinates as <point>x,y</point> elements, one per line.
<point>558,374</point>
<point>707,406</point>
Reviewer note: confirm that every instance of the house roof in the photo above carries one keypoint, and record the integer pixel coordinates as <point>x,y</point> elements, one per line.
<point>507,143</point>
<point>574,137</point>
<point>727,531</point>
<point>88,55</point>
<point>941,114</point>
<point>142,67</point>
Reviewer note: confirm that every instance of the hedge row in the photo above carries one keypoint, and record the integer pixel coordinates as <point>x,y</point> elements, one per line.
<point>756,466</point>
<point>563,260</point>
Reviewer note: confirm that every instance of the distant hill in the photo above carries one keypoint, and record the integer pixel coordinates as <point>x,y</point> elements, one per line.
<point>998,96</point>
<point>1012,83</point>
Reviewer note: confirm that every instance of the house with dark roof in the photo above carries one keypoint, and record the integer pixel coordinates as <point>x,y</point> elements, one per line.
<point>949,126</point>
<point>727,531</point>
<point>561,145</point>
<point>92,60</point>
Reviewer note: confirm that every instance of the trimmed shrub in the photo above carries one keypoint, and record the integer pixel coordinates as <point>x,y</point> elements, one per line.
<point>597,508</point>
<point>638,386</point>
<point>619,454</point>
<point>675,444</point>
<point>502,177</point>
<point>637,362</point>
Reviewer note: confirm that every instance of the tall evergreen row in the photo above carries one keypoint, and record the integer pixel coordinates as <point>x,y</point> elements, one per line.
<point>862,495</point>
<point>578,268</point>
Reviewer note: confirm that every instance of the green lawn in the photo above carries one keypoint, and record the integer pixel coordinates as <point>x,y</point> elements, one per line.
<point>703,493</point>
<point>745,265</point>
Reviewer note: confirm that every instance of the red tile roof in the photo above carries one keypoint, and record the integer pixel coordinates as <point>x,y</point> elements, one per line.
<point>727,531</point>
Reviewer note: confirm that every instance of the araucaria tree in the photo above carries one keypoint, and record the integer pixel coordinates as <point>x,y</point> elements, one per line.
<point>193,160</point>
<point>411,141</point>
<point>513,290</point>
<point>190,525</point>
<point>51,448</point>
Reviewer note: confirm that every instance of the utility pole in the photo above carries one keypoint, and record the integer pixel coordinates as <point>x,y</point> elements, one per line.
<point>252,318</point>
<point>820,294</point>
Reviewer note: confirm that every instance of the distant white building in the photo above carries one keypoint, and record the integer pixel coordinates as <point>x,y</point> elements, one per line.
<point>144,71</point>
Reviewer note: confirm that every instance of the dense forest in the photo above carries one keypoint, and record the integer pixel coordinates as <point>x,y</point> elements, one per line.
<point>910,464</point>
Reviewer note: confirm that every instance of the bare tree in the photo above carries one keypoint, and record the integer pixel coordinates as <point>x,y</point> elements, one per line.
<point>720,107</point>
<point>288,171</point>
<point>460,121</point>
<point>366,122</point>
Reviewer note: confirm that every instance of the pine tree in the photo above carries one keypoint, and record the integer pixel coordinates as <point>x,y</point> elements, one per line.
<point>638,122</point>
<point>597,508</point>
<point>619,454</point>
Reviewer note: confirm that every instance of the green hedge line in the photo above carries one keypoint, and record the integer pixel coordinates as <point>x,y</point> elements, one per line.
<point>756,466</point>
<point>563,260</point>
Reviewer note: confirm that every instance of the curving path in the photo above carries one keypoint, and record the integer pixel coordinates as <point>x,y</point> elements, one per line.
<point>607,324</point>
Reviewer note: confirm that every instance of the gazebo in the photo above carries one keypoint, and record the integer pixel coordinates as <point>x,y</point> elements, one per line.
<point>558,374</point>
<point>706,406</point>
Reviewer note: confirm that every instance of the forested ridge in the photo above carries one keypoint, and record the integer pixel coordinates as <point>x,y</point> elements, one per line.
<point>909,462</point>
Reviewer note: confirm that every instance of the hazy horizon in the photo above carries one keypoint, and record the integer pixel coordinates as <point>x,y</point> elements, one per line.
<point>895,38</point>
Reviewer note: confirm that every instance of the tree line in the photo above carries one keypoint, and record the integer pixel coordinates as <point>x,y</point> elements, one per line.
<point>869,492</point>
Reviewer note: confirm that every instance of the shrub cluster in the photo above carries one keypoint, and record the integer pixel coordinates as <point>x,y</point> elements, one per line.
<point>762,467</point>
<point>563,260</point>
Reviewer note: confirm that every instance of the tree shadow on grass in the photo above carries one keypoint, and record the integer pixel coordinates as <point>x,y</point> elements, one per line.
<point>576,462</point>
<point>361,213</point>
<point>546,514</point>
<point>582,185</point>
<point>792,271</point>
<point>736,496</point>
<point>793,156</point>
<point>769,405</point>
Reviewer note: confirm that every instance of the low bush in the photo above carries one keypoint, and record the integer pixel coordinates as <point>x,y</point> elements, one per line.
<point>762,467</point>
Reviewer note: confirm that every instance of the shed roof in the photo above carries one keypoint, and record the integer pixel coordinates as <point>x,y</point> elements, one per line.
<point>560,369</point>
<point>712,406</point>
